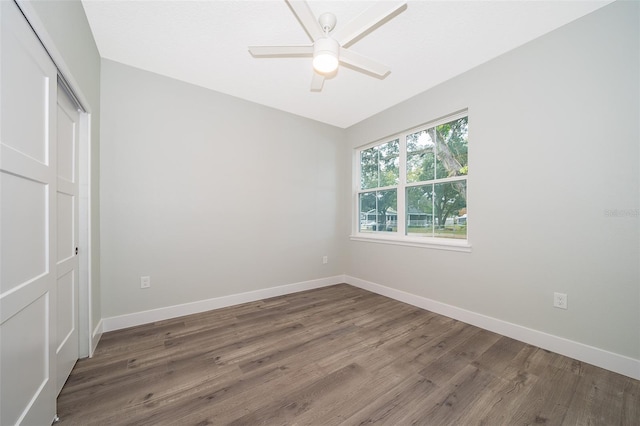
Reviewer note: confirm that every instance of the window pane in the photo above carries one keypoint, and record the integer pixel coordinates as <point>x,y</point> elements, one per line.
<point>420,210</point>
<point>438,210</point>
<point>451,140</point>
<point>380,165</point>
<point>450,209</point>
<point>378,211</point>
<point>389,160</point>
<point>369,168</point>
<point>420,157</point>
<point>419,141</point>
<point>421,166</point>
<point>367,208</point>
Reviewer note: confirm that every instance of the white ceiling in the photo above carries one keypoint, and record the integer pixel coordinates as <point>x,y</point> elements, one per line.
<point>205,43</point>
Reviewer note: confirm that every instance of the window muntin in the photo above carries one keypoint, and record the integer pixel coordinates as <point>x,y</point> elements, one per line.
<point>428,168</point>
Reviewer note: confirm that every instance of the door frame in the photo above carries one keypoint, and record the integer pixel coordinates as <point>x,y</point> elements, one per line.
<point>89,333</point>
<point>86,328</point>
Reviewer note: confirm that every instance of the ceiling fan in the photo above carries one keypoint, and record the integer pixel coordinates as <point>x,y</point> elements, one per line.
<point>329,49</point>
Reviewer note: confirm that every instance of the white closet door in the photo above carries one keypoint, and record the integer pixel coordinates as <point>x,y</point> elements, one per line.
<point>28,209</point>
<point>67,236</point>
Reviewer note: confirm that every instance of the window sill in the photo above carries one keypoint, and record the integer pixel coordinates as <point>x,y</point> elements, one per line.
<point>430,243</point>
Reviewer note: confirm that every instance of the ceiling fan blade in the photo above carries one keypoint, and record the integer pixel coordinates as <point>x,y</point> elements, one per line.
<point>303,50</point>
<point>307,19</point>
<point>317,81</point>
<point>368,21</point>
<point>363,63</point>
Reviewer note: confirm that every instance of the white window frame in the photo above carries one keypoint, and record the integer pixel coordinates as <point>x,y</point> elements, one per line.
<point>399,237</point>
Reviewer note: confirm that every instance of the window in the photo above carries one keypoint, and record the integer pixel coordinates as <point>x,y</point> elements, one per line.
<point>412,187</point>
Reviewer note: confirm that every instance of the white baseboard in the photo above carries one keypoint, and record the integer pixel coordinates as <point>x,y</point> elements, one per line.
<point>608,360</point>
<point>95,338</point>
<point>145,317</point>
<point>599,357</point>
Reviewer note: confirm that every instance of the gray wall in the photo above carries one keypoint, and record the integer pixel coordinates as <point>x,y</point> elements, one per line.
<point>66,23</point>
<point>554,162</point>
<point>211,195</point>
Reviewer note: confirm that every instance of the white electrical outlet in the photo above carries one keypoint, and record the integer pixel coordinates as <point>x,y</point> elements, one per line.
<point>560,300</point>
<point>325,260</point>
<point>145,282</point>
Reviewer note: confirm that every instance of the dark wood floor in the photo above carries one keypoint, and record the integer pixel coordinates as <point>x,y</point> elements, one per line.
<point>335,355</point>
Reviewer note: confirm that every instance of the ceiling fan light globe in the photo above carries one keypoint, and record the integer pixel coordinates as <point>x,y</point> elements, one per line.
<point>325,62</point>
<point>325,55</point>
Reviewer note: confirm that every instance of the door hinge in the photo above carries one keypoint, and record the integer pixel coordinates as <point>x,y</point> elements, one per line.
<point>76,251</point>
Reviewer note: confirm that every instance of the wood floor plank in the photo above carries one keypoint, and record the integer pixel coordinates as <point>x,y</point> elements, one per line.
<point>450,402</point>
<point>548,401</point>
<point>442,368</point>
<point>506,392</point>
<point>601,394</point>
<point>336,355</point>
<point>320,392</point>
<point>396,405</point>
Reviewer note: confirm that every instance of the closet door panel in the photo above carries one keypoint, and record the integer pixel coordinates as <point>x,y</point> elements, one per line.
<point>28,186</point>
